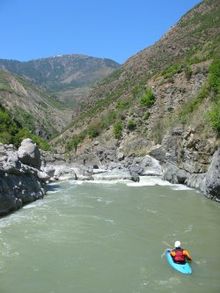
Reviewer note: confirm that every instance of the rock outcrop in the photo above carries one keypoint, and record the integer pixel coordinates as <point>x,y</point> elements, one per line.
<point>212,179</point>
<point>206,182</point>
<point>21,181</point>
<point>29,154</point>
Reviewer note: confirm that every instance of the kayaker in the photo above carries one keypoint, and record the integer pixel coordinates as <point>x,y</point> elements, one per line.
<point>179,254</point>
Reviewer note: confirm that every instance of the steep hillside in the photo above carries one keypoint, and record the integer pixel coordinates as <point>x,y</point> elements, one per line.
<point>33,109</point>
<point>67,76</point>
<point>163,101</point>
<point>12,132</point>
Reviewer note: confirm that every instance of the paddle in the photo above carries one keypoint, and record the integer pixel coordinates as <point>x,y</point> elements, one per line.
<point>167,244</point>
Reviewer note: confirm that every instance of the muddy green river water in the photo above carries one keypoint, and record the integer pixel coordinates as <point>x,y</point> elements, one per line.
<point>105,237</point>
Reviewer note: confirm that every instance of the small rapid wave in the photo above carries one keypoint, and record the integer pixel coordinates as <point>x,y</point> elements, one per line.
<point>180,187</point>
<point>149,181</point>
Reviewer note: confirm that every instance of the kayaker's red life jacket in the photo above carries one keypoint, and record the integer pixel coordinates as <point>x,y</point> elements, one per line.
<point>179,256</point>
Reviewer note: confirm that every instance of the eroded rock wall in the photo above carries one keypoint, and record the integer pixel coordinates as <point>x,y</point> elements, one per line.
<point>20,183</point>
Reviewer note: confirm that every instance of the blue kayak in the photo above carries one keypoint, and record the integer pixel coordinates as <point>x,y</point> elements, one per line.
<point>182,268</point>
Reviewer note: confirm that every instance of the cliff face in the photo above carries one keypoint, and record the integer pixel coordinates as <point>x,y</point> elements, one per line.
<point>21,181</point>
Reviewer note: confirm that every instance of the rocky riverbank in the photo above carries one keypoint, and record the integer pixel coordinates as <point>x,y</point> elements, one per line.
<point>21,180</point>
<point>25,172</point>
<point>110,164</point>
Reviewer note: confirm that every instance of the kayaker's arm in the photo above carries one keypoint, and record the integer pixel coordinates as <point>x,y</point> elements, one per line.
<point>172,253</point>
<point>186,253</point>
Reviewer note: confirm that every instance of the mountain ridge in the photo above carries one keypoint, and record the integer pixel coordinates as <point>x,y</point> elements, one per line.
<point>69,76</point>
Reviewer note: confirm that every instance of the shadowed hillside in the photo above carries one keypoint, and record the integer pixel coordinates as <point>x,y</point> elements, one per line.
<point>33,108</point>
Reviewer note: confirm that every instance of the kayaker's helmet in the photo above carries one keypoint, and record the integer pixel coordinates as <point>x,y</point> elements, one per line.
<point>177,244</point>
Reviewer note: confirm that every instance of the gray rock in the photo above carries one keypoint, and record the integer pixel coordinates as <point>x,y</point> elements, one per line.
<point>114,174</point>
<point>173,174</point>
<point>11,164</point>
<point>120,156</point>
<point>151,166</point>
<point>49,170</point>
<point>18,190</point>
<point>19,183</point>
<point>181,176</point>
<point>135,177</point>
<point>196,181</point>
<point>136,169</point>
<point>29,154</point>
<point>169,172</point>
<point>212,179</point>
<point>43,176</point>
<point>159,153</point>
<point>177,131</point>
<point>65,172</point>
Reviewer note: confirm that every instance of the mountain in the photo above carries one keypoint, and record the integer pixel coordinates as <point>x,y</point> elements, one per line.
<point>42,94</point>
<point>69,77</point>
<point>165,100</point>
<point>32,107</point>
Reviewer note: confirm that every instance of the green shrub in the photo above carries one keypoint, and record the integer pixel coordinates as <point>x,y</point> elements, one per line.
<point>214,117</point>
<point>42,143</point>
<point>4,83</point>
<point>5,137</point>
<point>73,143</point>
<point>122,105</point>
<point>108,119</point>
<point>193,104</point>
<point>148,99</point>
<point>131,125</point>
<point>11,131</point>
<point>146,115</point>
<point>93,131</point>
<point>25,133</point>
<point>171,70</point>
<point>214,76</point>
<point>117,129</point>
<point>188,72</point>
<point>25,118</point>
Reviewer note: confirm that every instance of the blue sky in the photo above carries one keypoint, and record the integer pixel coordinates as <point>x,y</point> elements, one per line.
<point>115,29</point>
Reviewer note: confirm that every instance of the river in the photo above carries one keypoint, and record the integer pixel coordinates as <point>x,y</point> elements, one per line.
<point>102,238</point>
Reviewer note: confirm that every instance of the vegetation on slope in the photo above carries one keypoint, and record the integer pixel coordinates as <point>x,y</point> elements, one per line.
<point>68,77</point>
<point>193,40</point>
<point>12,132</point>
<point>33,108</point>
<point>214,84</point>
<point>211,88</point>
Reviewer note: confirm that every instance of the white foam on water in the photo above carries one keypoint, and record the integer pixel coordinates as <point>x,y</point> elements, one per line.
<point>144,181</point>
<point>151,211</point>
<point>180,187</point>
<point>169,283</point>
<point>149,181</point>
<point>11,219</point>
<point>75,182</point>
<point>34,204</point>
<point>53,191</point>
<point>110,221</point>
<point>189,229</point>
<point>101,181</point>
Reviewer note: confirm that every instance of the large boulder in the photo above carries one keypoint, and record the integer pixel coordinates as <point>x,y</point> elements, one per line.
<point>173,174</point>
<point>29,154</point>
<point>151,166</point>
<point>212,179</point>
